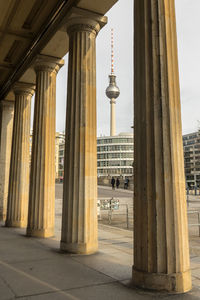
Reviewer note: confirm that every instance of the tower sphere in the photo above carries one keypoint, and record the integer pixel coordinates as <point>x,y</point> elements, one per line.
<point>112,91</point>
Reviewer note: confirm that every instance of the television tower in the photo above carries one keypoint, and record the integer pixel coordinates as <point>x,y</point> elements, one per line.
<point>112,91</point>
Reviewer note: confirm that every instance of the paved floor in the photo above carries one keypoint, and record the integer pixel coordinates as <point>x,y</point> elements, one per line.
<point>33,268</point>
<point>105,191</point>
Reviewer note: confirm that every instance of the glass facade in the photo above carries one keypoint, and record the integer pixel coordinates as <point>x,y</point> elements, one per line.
<point>115,155</point>
<point>191,144</point>
<point>61,161</point>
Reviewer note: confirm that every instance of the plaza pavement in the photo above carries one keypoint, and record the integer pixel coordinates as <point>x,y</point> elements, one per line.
<point>32,268</point>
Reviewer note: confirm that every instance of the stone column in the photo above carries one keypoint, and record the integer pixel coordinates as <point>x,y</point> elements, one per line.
<point>79,219</point>
<point>42,177</point>
<point>6,127</point>
<point>20,157</point>
<point>161,251</point>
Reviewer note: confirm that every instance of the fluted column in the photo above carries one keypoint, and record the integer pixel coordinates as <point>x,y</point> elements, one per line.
<point>20,157</point>
<point>6,128</point>
<point>161,251</point>
<point>79,219</point>
<point>42,177</point>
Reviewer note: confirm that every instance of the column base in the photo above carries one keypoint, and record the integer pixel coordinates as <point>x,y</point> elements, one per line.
<point>79,248</point>
<point>175,282</point>
<point>17,224</point>
<point>40,233</point>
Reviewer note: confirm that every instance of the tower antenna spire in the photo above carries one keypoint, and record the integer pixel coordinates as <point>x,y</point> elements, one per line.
<point>112,52</point>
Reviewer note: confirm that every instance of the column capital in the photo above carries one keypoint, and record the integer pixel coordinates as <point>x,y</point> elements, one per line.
<point>23,88</point>
<point>48,63</point>
<point>83,24</point>
<point>83,20</point>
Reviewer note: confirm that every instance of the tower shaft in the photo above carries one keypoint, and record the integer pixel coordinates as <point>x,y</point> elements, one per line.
<point>112,117</point>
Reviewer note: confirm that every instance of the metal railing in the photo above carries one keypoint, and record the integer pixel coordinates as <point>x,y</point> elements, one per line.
<point>111,211</point>
<point>114,209</point>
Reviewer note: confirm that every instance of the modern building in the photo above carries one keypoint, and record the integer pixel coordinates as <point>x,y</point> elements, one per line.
<point>191,146</point>
<point>115,155</point>
<point>60,140</point>
<point>61,161</point>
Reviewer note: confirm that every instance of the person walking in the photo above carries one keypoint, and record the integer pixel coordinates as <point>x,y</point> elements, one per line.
<point>117,183</point>
<point>113,183</point>
<point>126,183</point>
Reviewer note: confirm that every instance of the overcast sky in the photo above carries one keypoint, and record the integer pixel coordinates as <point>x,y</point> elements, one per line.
<point>120,18</point>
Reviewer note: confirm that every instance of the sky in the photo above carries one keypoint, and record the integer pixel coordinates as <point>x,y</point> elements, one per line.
<point>188,25</point>
<point>120,18</point>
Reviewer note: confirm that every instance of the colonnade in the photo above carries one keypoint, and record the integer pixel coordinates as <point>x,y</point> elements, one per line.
<point>161,251</point>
